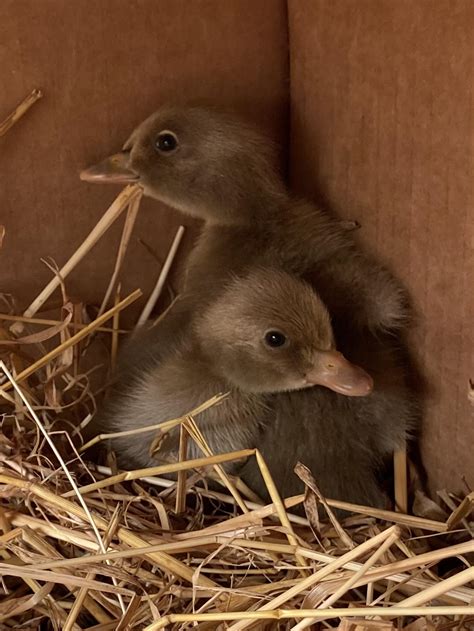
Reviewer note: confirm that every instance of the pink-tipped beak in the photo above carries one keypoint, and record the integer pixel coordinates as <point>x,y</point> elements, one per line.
<point>113,169</point>
<point>333,371</point>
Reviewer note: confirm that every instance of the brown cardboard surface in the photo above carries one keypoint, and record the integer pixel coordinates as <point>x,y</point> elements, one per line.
<point>103,67</point>
<point>382,128</point>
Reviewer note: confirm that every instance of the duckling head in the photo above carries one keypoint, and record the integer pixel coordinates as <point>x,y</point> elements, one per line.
<point>199,160</point>
<point>270,332</point>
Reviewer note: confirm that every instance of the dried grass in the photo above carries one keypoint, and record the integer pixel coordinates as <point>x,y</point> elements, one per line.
<point>88,547</point>
<point>20,111</point>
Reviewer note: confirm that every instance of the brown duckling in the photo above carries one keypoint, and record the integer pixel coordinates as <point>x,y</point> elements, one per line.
<point>210,165</point>
<point>267,332</point>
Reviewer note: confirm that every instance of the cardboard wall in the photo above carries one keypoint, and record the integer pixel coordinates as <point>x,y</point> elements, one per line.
<point>382,128</point>
<point>104,66</point>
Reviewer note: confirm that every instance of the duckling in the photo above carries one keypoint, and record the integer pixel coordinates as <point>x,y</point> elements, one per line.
<point>212,166</point>
<point>268,332</point>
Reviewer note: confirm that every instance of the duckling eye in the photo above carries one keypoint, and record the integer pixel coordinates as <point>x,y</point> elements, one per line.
<point>166,141</point>
<point>275,339</point>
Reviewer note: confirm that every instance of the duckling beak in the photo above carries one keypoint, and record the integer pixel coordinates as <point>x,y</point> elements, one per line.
<point>333,371</point>
<point>113,169</point>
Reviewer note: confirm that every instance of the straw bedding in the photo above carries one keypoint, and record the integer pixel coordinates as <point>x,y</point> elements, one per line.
<point>85,546</point>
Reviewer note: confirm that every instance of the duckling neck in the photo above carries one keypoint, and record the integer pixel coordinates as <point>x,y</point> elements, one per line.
<point>213,373</point>
<point>196,367</point>
<point>249,209</point>
<point>230,425</point>
<point>235,205</point>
